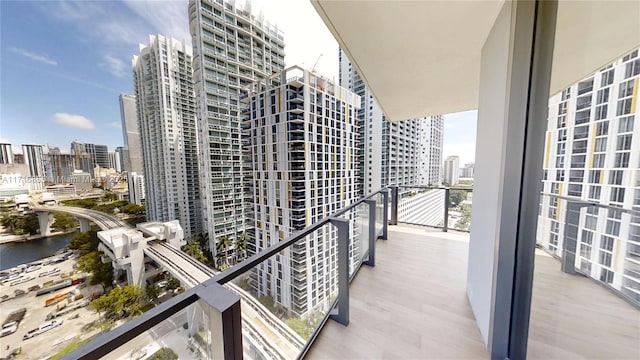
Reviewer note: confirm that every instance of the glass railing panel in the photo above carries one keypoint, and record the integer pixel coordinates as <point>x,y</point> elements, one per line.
<point>285,297</point>
<point>421,206</point>
<point>587,262</point>
<point>361,240</point>
<point>460,200</point>
<point>379,198</point>
<point>184,335</point>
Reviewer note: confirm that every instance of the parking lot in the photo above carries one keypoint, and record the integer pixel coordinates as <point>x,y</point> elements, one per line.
<point>48,343</point>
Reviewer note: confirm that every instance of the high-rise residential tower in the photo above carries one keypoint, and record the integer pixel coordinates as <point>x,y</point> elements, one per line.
<point>593,155</point>
<point>406,152</point>
<point>6,153</point>
<point>167,120</point>
<point>114,161</point>
<point>303,133</point>
<point>88,156</point>
<point>34,158</point>
<point>452,170</point>
<point>232,48</point>
<point>131,134</point>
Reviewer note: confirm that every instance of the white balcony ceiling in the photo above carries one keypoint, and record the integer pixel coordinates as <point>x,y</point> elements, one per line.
<point>423,57</point>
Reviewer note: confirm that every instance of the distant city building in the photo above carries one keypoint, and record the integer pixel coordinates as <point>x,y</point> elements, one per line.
<point>233,48</point>
<point>6,153</point>
<point>18,158</point>
<point>60,167</point>
<point>167,119</point>
<point>593,155</point>
<point>135,182</point>
<point>430,150</point>
<point>303,132</point>
<point>405,152</point>
<point>131,134</point>
<point>114,161</point>
<point>34,159</point>
<point>88,156</point>
<point>451,170</point>
<point>122,156</point>
<point>467,170</point>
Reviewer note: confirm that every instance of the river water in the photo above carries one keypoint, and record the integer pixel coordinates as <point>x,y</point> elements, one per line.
<point>14,254</point>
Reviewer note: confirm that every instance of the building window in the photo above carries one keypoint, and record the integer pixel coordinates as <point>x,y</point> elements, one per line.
<point>622,160</point>
<point>615,177</point>
<point>594,192</point>
<point>625,124</point>
<point>605,259</point>
<point>606,276</point>
<point>617,194</point>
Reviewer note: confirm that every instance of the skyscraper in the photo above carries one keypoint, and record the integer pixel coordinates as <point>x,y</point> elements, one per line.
<point>122,156</point>
<point>593,154</point>
<point>131,134</point>
<point>406,152</point>
<point>430,150</point>
<point>303,134</point>
<point>88,156</point>
<point>114,161</point>
<point>451,170</point>
<point>232,49</point>
<point>34,158</point>
<point>6,153</point>
<point>166,114</point>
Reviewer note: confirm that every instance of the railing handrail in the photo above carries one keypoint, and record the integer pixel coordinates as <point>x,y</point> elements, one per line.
<point>246,265</point>
<point>632,212</point>
<point>105,343</point>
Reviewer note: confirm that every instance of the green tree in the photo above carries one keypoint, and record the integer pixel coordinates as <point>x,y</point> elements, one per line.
<point>11,222</point>
<point>120,302</point>
<point>163,354</point>
<point>84,242</point>
<point>101,273</point>
<point>194,249</point>
<point>299,326</point>
<point>152,292</point>
<point>241,245</point>
<point>110,197</point>
<point>133,209</point>
<point>268,302</point>
<point>63,222</point>
<point>456,197</point>
<point>222,246</point>
<point>465,220</point>
<point>172,283</point>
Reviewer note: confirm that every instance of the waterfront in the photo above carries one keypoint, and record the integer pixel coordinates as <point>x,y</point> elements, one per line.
<point>16,253</point>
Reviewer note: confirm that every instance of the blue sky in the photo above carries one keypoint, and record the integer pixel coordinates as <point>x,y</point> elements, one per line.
<point>64,63</point>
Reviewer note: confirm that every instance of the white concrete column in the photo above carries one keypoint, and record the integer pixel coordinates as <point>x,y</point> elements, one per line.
<point>45,219</point>
<point>512,110</point>
<point>85,225</point>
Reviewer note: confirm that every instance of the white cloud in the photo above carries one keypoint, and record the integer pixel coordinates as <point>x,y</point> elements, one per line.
<point>115,124</point>
<point>76,121</point>
<point>35,57</point>
<point>115,66</point>
<point>170,18</point>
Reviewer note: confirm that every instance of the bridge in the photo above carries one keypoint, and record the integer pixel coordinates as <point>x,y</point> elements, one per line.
<point>127,248</point>
<point>84,217</point>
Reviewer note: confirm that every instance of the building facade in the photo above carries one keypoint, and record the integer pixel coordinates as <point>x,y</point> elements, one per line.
<point>406,152</point>
<point>593,155</point>
<point>232,48</point>
<point>6,153</point>
<point>131,134</point>
<point>121,153</point>
<point>89,156</point>
<point>167,120</point>
<point>137,193</point>
<point>114,161</point>
<point>467,170</point>
<point>452,170</point>
<point>303,133</point>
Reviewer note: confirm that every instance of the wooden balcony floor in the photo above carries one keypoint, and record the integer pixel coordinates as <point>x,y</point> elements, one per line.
<point>413,305</point>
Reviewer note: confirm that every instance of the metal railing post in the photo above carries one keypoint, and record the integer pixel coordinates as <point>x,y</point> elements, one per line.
<point>385,213</point>
<point>447,203</point>
<point>222,310</point>
<point>371,261</point>
<point>394,205</point>
<point>341,314</point>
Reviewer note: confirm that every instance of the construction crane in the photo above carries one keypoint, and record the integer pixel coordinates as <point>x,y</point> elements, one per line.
<point>316,64</point>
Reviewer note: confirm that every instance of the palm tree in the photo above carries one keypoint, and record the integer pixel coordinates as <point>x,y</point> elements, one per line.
<point>241,244</point>
<point>222,246</point>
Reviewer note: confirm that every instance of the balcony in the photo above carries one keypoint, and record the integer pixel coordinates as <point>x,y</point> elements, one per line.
<point>411,302</point>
